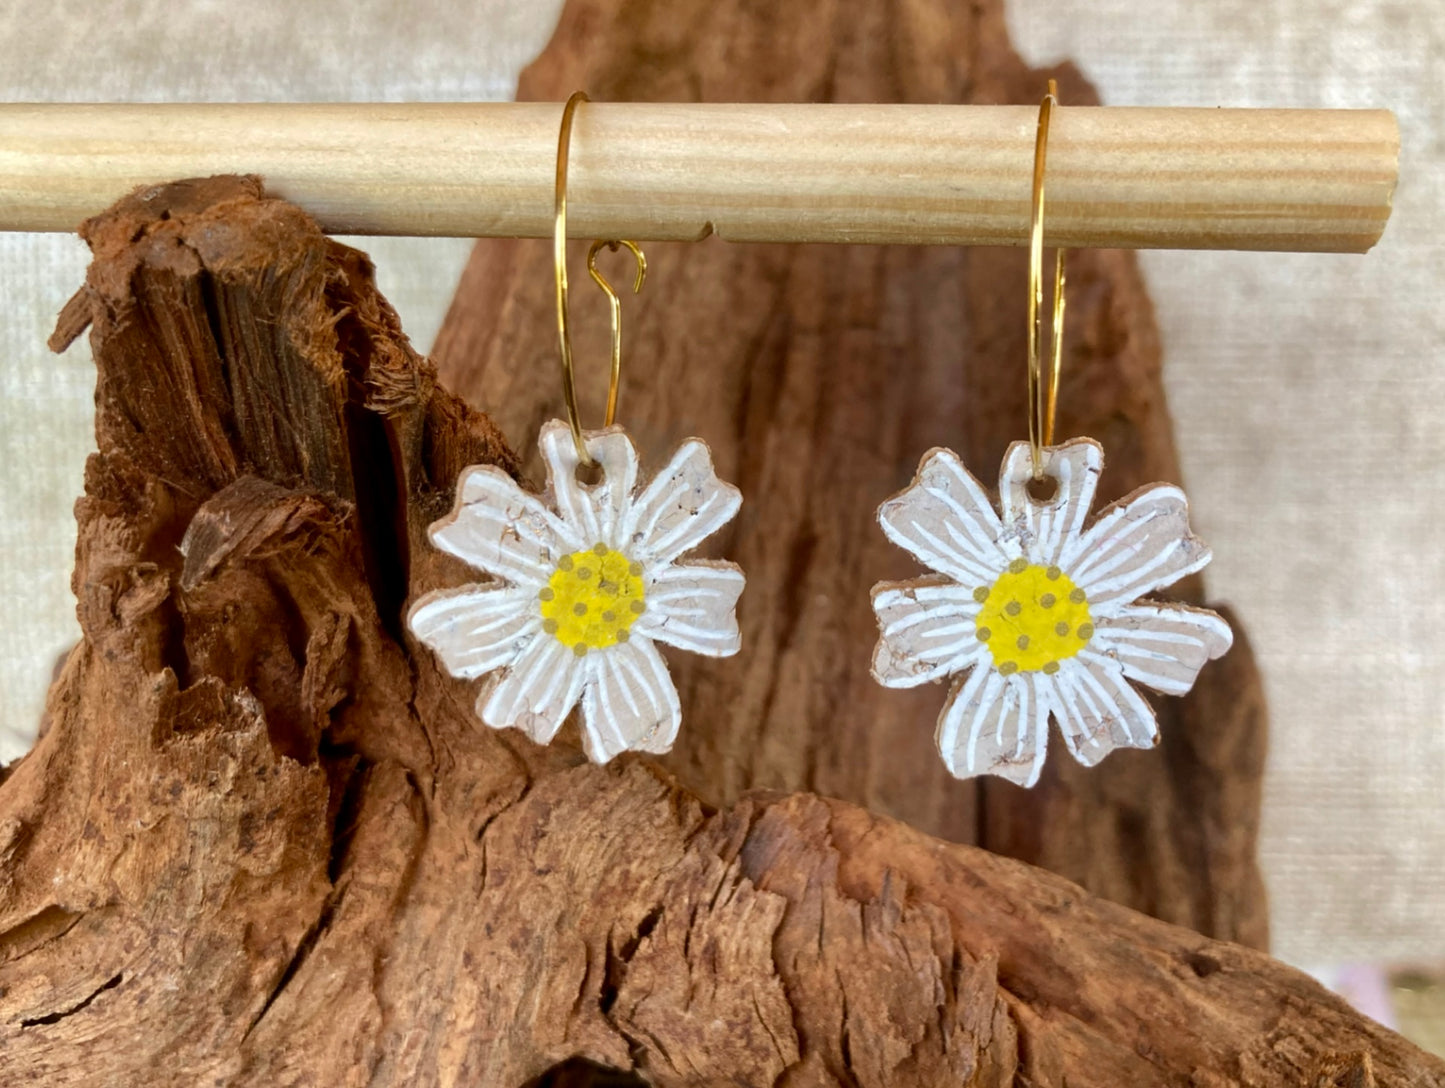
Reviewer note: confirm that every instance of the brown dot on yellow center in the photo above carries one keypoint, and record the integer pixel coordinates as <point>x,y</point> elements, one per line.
<point>1028,619</point>
<point>582,603</point>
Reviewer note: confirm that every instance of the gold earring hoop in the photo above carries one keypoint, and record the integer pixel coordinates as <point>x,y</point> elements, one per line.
<point>1040,614</point>
<point>586,578</point>
<point>614,302</point>
<point>1043,395</point>
<point>559,258</point>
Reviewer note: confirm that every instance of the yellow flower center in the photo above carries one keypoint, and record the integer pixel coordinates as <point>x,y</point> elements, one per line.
<point>592,599</point>
<point>1032,618</point>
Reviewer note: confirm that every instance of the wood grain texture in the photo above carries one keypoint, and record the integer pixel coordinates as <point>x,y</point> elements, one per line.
<point>264,841</point>
<point>819,376</point>
<point>1318,180</point>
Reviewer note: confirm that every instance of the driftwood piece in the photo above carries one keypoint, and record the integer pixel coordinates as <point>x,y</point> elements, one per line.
<point>263,841</point>
<point>819,376</point>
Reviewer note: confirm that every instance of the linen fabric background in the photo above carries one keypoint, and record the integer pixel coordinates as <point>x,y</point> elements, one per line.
<point>1305,388</point>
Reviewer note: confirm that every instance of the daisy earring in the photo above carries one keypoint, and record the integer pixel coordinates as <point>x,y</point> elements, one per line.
<point>588,576</point>
<point>1037,613</point>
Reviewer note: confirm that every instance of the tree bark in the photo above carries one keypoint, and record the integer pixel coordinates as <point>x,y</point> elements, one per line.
<point>264,841</point>
<point>819,376</point>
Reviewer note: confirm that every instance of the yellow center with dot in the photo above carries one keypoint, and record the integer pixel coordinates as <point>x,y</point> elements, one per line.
<point>592,599</point>
<point>1032,618</point>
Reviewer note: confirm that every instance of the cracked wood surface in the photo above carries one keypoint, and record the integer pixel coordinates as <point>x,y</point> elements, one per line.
<point>819,376</point>
<point>264,841</point>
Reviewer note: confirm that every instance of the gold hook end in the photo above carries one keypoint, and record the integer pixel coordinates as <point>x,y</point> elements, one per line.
<point>615,304</point>
<point>612,245</point>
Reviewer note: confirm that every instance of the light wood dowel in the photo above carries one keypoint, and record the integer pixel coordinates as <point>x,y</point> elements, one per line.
<point>1319,180</point>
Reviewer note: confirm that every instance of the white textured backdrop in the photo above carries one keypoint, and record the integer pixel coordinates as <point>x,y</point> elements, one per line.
<point>1305,387</point>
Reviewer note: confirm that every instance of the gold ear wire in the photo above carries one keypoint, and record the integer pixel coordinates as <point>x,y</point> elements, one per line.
<point>615,303</point>
<point>1043,396</point>
<point>559,259</point>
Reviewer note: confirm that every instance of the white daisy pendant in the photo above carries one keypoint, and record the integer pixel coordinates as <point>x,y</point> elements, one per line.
<point>589,581</point>
<point>1041,613</point>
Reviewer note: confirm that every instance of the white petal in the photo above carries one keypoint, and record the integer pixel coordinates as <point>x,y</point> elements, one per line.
<point>501,529</point>
<point>996,725</point>
<point>927,628</point>
<point>475,631</point>
<point>1162,645</point>
<point>692,606</point>
<point>945,519</point>
<point>1045,528</point>
<point>537,693</point>
<point>1139,545</point>
<point>1098,710</point>
<point>592,510</point>
<point>684,504</point>
<point>630,703</point>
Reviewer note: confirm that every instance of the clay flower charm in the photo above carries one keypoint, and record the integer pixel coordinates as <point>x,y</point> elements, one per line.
<point>1042,613</point>
<point>590,580</point>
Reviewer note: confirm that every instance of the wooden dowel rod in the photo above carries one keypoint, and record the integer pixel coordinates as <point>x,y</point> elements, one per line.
<point>1309,180</point>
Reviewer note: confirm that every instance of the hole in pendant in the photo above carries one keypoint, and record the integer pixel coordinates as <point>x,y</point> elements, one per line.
<point>1042,490</point>
<point>590,475</point>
